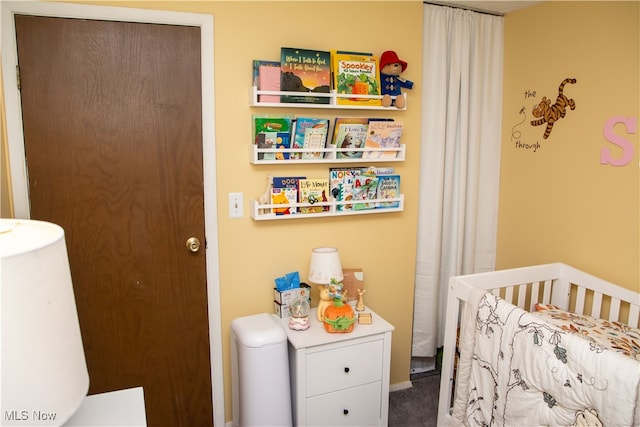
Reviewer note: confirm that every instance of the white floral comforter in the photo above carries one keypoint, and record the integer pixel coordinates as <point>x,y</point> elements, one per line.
<point>517,369</point>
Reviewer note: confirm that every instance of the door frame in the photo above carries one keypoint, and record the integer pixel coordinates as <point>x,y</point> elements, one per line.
<point>17,161</point>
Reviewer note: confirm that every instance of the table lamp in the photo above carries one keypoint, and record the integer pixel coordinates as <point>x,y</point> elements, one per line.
<point>44,372</point>
<point>324,266</point>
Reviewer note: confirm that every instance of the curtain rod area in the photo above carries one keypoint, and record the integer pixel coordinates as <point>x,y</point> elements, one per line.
<point>464,7</point>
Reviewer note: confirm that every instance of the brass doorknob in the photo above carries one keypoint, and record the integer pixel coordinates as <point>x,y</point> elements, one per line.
<point>193,244</point>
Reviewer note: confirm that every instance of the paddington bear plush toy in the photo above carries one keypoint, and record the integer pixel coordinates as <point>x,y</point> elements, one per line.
<point>390,69</point>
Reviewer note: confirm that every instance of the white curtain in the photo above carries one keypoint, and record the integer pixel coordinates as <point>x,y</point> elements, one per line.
<point>460,159</point>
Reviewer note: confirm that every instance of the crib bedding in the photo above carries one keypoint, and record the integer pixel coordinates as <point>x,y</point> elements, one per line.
<point>518,369</point>
<point>602,334</point>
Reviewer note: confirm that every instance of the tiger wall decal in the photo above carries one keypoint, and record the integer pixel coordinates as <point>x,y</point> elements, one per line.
<point>551,113</point>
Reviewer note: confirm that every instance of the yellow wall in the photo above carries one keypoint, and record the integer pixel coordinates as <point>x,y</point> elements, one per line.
<point>252,253</point>
<point>559,203</point>
<point>556,204</point>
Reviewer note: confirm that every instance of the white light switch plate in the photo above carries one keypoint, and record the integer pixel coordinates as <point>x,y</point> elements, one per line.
<point>236,205</point>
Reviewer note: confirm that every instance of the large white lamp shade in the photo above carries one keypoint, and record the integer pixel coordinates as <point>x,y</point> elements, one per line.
<point>44,372</point>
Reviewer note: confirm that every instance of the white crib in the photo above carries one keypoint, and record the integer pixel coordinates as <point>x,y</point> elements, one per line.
<point>558,284</point>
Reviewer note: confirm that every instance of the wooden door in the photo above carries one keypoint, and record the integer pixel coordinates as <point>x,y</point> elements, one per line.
<point>113,139</point>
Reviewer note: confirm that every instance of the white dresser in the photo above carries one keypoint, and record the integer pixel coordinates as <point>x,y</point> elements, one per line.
<point>340,379</point>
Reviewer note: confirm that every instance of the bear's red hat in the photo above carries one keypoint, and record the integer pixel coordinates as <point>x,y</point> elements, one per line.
<point>390,57</point>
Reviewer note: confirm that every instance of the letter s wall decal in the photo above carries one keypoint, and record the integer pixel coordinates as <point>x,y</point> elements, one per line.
<point>631,124</point>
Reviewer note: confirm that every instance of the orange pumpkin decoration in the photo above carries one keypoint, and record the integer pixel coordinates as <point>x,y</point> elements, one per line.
<point>339,317</point>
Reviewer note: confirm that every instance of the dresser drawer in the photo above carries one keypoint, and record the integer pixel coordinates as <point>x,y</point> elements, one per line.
<point>357,406</point>
<point>344,367</point>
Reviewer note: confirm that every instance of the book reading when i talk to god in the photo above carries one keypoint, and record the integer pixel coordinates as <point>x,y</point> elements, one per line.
<point>305,70</point>
<point>357,74</point>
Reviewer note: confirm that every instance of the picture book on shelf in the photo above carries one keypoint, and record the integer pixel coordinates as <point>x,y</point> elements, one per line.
<point>300,126</point>
<point>271,132</point>
<point>283,141</point>
<point>305,70</point>
<point>314,137</point>
<point>357,74</point>
<point>350,136</point>
<point>388,188</point>
<point>270,123</point>
<point>266,76</point>
<point>284,196</point>
<point>291,184</point>
<point>279,140</point>
<point>343,121</point>
<point>341,182</point>
<point>312,191</point>
<point>383,134</point>
<point>376,170</point>
<point>364,192</point>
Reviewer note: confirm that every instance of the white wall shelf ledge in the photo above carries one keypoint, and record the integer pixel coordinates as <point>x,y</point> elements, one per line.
<point>328,155</point>
<point>333,100</point>
<point>263,212</point>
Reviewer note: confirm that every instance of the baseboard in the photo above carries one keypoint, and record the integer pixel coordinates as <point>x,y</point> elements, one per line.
<point>400,386</point>
<point>422,364</point>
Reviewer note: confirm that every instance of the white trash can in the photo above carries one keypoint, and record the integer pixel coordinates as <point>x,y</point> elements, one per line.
<point>260,372</point>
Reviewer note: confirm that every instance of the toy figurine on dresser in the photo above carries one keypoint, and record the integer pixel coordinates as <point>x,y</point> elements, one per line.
<point>391,66</point>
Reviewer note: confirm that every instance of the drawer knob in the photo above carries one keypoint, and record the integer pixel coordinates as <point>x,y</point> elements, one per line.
<point>345,411</point>
<point>346,370</point>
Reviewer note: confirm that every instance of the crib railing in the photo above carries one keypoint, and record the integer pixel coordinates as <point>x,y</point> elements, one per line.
<point>559,284</point>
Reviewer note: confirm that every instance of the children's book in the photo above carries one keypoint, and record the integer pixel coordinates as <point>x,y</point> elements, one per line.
<point>345,120</point>
<point>284,196</point>
<point>279,140</point>
<point>266,76</point>
<point>364,191</point>
<point>266,140</point>
<point>305,70</point>
<point>350,136</point>
<point>283,141</point>
<point>269,123</point>
<point>357,74</point>
<point>388,188</point>
<point>375,170</point>
<point>300,126</point>
<point>285,187</point>
<point>314,137</point>
<point>271,132</point>
<point>383,134</point>
<point>312,191</point>
<point>341,182</point>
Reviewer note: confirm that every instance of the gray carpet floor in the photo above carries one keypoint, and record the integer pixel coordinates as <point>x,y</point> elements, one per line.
<point>416,406</point>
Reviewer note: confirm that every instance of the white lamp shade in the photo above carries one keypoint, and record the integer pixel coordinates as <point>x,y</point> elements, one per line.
<point>325,265</point>
<point>44,372</point>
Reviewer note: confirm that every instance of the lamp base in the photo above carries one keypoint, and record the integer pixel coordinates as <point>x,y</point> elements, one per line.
<point>325,301</point>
